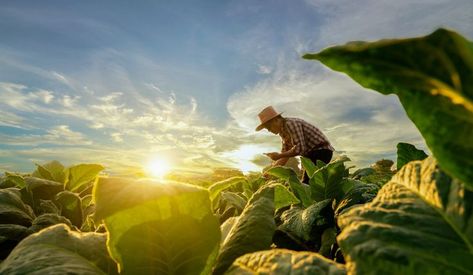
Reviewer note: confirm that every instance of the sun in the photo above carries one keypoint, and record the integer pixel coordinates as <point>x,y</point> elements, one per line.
<point>157,167</point>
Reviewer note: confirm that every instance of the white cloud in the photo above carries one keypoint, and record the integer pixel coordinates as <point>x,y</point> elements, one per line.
<point>60,78</point>
<point>262,69</point>
<point>57,135</point>
<point>45,96</point>
<point>362,123</point>
<point>117,137</point>
<point>347,20</point>
<point>12,120</point>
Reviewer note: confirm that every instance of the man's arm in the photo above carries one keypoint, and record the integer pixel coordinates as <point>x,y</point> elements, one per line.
<point>283,155</point>
<point>280,162</point>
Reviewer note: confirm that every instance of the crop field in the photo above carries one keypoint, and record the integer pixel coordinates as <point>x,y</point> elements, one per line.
<point>414,218</point>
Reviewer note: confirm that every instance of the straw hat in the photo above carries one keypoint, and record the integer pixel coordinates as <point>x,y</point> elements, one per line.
<point>266,115</point>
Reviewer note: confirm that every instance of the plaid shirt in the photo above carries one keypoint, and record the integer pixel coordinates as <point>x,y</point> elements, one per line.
<point>305,136</point>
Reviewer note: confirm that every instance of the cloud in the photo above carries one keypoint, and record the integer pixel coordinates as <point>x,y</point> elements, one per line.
<point>131,99</point>
<point>57,135</point>
<point>347,20</point>
<point>12,120</point>
<point>262,69</point>
<point>361,123</point>
<point>117,137</point>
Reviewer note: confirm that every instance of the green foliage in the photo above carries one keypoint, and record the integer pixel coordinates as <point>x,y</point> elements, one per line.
<point>251,232</point>
<point>12,209</point>
<point>79,175</point>
<point>10,236</point>
<point>433,78</point>
<point>171,223</point>
<point>325,183</point>
<point>53,170</point>
<point>57,250</point>
<point>406,153</point>
<point>301,191</point>
<point>220,186</point>
<point>283,261</point>
<point>70,206</point>
<point>357,192</point>
<point>307,225</point>
<point>46,220</point>
<point>11,180</point>
<point>420,223</point>
<point>283,197</point>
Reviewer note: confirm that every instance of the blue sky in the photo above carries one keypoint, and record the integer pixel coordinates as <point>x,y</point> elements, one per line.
<point>122,82</point>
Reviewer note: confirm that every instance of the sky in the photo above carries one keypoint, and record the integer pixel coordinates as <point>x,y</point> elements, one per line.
<point>124,82</point>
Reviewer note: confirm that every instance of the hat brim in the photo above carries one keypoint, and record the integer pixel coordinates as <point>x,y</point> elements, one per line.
<point>263,125</point>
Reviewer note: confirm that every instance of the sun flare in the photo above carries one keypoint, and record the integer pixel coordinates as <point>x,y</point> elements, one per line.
<point>157,167</point>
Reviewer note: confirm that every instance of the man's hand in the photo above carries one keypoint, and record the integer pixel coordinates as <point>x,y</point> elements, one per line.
<point>273,155</point>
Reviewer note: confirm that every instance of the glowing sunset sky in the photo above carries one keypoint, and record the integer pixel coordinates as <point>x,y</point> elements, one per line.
<point>121,82</point>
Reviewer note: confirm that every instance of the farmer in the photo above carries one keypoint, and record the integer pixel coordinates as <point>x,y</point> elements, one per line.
<point>299,138</point>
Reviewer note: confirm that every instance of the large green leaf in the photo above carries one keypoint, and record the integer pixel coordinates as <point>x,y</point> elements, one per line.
<point>283,197</point>
<point>307,225</point>
<point>81,174</point>
<point>70,206</point>
<point>57,250</point>
<point>42,189</point>
<point>12,180</point>
<point>285,262</point>
<point>326,182</point>
<point>300,190</point>
<point>10,236</point>
<point>233,200</point>
<point>157,228</point>
<point>218,187</point>
<point>52,170</point>
<point>407,152</point>
<point>309,166</point>
<point>358,193</point>
<point>433,78</point>
<point>48,219</point>
<point>252,231</point>
<point>12,208</point>
<point>421,222</point>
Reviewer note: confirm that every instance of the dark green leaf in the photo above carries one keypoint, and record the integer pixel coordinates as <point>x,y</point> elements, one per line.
<point>252,231</point>
<point>12,208</point>
<point>57,250</point>
<point>326,182</point>
<point>307,225</point>
<point>421,222</point>
<point>285,262</point>
<point>53,170</point>
<point>46,220</point>
<point>10,236</point>
<point>357,192</point>
<point>407,152</point>
<point>309,166</point>
<point>70,206</point>
<point>233,200</point>
<point>42,189</point>
<point>12,180</point>
<point>47,206</point>
<point>433,78</point>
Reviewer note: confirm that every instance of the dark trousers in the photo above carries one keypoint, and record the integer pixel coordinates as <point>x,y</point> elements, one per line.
<point>324,155</point>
